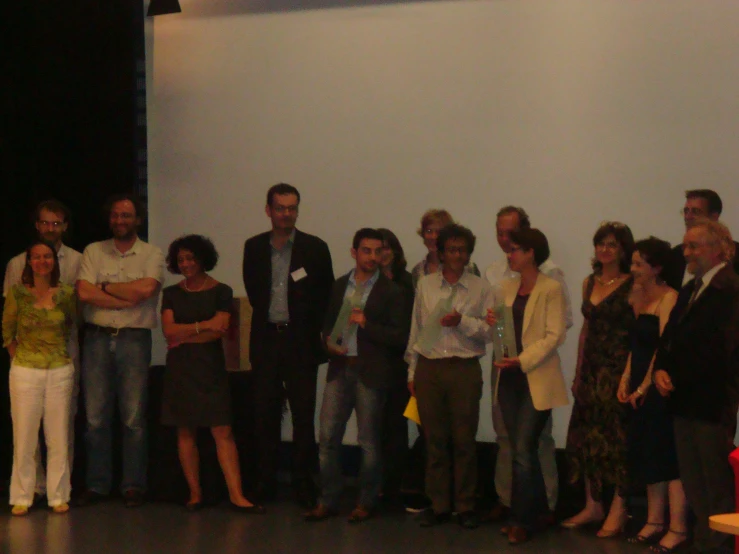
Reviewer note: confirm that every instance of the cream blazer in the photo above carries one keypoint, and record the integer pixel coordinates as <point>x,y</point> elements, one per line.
<point>543,332</point>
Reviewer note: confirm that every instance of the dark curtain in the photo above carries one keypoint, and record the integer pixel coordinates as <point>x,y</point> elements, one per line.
<point>67,131</point>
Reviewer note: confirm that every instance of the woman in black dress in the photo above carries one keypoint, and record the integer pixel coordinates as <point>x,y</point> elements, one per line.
<point>195,316</point>
<point>596,438</point>
<point>652,456</point>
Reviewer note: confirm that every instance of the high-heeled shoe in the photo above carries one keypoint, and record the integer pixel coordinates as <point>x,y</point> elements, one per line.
<point>653,537</point>
<point>604,533</point>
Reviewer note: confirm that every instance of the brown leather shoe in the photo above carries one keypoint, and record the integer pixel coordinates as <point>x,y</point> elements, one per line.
<point>319,513</point>
<point>517,535</point>
<point>360,514</point>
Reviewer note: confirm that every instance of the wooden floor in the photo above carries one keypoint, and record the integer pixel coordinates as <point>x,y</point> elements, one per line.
<point>167,528</point>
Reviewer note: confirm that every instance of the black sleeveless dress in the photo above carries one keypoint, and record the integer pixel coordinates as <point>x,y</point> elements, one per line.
<point>196,391</point>
<point>652,455</point>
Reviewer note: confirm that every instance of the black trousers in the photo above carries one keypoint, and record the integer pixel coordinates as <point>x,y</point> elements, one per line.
<point>703,456</point>
<point>284,372</point>
<point>395,437</point>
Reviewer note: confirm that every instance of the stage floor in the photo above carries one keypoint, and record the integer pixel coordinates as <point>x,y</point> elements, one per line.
<point>160,528</point>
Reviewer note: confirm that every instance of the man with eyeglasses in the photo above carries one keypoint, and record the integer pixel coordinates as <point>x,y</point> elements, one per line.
<point>448,338</point>
<point>52,221</point>
<point>288,277</point>
<point>699,203</point>
<point>510,219</point>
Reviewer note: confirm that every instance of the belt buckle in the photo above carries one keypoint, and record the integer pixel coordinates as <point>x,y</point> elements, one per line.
<point>115,334</point>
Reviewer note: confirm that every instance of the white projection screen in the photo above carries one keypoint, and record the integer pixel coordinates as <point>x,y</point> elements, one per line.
<point>578,110</point>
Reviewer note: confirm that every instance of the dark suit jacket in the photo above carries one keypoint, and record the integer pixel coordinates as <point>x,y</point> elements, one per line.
<point>700,351</point>
<point>386,331</point>
<point>675,270</point>
<point>307,298</point>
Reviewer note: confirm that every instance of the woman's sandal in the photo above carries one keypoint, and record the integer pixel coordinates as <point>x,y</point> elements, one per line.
<point>651,538</point>
<point>659,549</point>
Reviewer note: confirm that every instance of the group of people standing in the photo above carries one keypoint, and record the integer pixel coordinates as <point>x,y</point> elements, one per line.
<point>655,385</point>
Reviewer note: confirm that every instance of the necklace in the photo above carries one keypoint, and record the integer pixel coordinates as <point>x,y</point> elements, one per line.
<point>607,283</point>
<point>184,284</point>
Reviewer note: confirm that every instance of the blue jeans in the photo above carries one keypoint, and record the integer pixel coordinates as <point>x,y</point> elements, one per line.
<point>116,368</point>
<point>524,424</point>
<point>342,395</point>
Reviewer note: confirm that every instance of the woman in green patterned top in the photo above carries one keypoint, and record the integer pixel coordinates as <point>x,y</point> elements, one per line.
<point>36,324</point>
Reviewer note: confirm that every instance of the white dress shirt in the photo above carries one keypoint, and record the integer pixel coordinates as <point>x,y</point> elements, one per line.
<point>468,339</point>
<point>499,270</point>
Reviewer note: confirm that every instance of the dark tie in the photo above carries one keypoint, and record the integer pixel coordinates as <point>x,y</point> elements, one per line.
<point>696,288</point>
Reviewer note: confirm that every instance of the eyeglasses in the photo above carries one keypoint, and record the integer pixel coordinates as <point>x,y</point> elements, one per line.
<point>456,250</point>
<point>285,209</point>
<point>692,211</point>
<point>52,224</point>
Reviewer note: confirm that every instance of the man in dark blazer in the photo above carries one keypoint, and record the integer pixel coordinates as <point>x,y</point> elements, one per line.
<point>698,203</point>
<point>697,365</point>
<point>288,277</point>
<point>360,368</point>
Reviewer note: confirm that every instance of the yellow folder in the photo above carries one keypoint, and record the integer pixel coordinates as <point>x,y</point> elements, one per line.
<point>411,411</point>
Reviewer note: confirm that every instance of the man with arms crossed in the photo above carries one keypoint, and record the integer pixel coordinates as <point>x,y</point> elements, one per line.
<point>510,219</point>
<point>697,366</point>
<point>359,372</point>
<point>52,221</point>
<point>288,277</point>
<point>119,284</point>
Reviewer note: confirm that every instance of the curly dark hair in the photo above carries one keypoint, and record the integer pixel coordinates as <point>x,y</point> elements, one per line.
<point>623,236</point>
<point>201,247</point>
<point>456,231</point>
<point>27,275</point>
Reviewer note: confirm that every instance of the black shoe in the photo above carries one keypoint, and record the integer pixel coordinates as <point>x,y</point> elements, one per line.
<point>254,509</point>
<point>89,498</point>
<point>39,499</point>
<point>265,492</point>
<point>429,518</point>
<point>416,503</point>
<point>468,520</point>
<point>305,494</point>
<point>133,498</point>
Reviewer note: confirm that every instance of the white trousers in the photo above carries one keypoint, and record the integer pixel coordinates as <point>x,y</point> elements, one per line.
<point>74,352</point>
<point>36,395</point>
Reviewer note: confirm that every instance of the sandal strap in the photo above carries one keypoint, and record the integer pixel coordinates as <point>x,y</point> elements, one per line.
<point>681,533</point>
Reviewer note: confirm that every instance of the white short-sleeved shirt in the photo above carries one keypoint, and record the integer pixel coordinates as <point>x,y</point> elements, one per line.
<point>103,262</point>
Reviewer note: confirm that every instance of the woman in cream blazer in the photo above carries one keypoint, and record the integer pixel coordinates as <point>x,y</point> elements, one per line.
<point>530,384</point>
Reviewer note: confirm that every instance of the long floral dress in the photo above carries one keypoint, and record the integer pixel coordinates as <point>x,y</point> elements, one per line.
<point>597,436</point>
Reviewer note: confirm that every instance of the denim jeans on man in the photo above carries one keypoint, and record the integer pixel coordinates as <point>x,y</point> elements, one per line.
<point>525,425</point>
<point>115,368</point>
<point>345,393</point>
